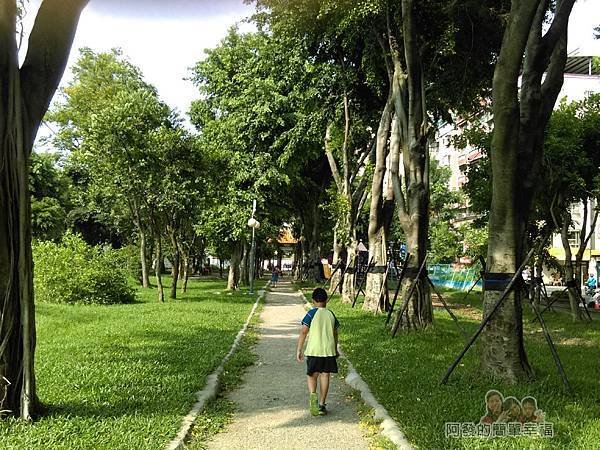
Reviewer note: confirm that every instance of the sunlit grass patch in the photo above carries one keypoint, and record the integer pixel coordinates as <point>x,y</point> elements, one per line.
<point>123,376</point>
<point>404,374</point>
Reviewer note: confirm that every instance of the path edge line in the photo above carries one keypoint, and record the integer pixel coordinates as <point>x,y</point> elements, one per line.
<point>211,387</point>
<point>388,426</point>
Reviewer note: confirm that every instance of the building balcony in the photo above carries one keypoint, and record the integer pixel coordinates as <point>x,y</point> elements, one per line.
<point>474,155</point>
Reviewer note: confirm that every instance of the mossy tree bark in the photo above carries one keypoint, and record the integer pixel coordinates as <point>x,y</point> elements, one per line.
<point>173,229</point>
<point>354,195</point>
<point>233,279</point>
<point>314,242</point>
<point>298,259</point>
<point>158,266</point>
<point>573,274</point>
<point>336,260</point>
<point>409,137</point>
<point>244,268</point>
<point>25,94</point>
<point>139,225</point>
<point>377,214</point>
<point>520,117</point>
<point>144,260</point>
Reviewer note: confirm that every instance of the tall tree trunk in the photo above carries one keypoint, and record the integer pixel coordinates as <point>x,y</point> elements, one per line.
<point>137,220</point>
<point>158,269</point>
<point>376,231</point>
<point>304,253</point>
<point>174,263</point>
<point>297,265</point>
<point>520,117</point>
<point>409,133</point>
<point>220,267</point>
<point>354,197</point>
<point>502,350</point>
<point>244,268</point>
<point>419,310</point>
<point>144,260</point>
<point>569,269</point>
<point>537,282</point>
<point>315,243</point>
<point>24,97</point>
<point>348,288</point>
<point>234,267</point>
<point>414,218</point>
<point>585,235</point>
<point>185,264</point>
<point>337,262</point>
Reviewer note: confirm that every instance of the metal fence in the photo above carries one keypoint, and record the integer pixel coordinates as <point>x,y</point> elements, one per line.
<point>451,277</point>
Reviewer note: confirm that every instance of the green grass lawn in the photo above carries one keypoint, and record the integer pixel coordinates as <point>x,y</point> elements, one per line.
<point>404,373</point>
<point>123,376</point>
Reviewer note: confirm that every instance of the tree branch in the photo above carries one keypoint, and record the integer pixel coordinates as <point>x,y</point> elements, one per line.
<point>332,163</point>
<point>416,113</point>
<point>360,205</point>
<point>554,77</point>
<point>345,159</point>
<point>399,88</point>
<point>47,54</point>
<point>360,189</point>
<point>363,157</point>
<point>384,51</point>
<point>584,243</point>
<point>394,172</point>
<point>514,41</point>
<point>559,24</point>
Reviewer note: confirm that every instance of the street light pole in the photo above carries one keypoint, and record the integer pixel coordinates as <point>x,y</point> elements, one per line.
<point>252,256</point>
<point>254,224</point>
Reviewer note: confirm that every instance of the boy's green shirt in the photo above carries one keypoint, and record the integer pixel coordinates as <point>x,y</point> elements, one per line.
<point>321,340</point>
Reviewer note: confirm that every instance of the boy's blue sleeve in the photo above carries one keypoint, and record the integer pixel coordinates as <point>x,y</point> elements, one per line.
<point>309,317</point>
<point>336,325</point>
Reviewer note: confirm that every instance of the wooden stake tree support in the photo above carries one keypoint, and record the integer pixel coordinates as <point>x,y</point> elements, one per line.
<point>363,280</point>
<point>406,300</point>
<point>512,284</point>
<point>400,277</point>
<point>337,267</point>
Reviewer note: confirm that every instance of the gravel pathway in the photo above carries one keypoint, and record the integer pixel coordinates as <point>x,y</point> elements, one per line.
<point>272,404</point>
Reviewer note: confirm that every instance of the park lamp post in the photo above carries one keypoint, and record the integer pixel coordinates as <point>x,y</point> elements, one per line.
<point>254,224</point>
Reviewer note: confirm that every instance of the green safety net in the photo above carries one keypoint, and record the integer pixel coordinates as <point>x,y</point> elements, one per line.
<point>450,276</point>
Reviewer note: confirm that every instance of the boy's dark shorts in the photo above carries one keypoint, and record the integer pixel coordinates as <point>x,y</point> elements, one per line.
<point>321,364</point>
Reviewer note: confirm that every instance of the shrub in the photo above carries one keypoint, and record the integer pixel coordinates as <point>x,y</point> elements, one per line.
<point>132,263</point>
<point>74,272</point>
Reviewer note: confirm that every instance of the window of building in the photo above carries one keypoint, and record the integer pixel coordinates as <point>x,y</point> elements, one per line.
<point>573,237</point>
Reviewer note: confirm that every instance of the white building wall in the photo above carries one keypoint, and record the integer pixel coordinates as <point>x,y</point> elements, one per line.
<point>575,87</point>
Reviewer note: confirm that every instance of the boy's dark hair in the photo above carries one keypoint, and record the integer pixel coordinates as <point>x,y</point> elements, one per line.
<point>529,400</point>
<point>319,295</point>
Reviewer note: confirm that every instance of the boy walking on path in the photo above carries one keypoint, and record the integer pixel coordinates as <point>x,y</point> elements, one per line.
<point>321,327</point>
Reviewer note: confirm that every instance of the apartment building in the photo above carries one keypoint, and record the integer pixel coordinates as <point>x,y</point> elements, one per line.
<point>581,79</point>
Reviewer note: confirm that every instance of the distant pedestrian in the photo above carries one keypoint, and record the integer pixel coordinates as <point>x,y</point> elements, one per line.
<point>274,276</point>
<point>591,281</point>
<point>321,327</point>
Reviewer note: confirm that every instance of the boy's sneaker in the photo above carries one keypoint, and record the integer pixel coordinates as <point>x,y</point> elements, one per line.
<point>322,410</point>
<point>313,404</point>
